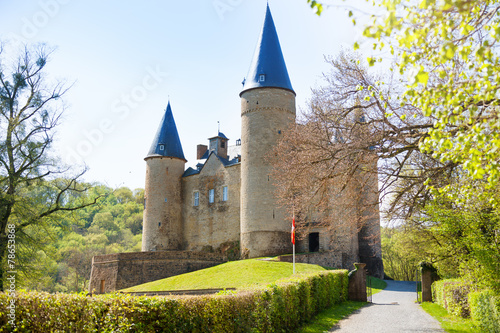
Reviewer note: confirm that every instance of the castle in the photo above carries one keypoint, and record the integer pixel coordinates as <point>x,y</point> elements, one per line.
<point>225,206</point>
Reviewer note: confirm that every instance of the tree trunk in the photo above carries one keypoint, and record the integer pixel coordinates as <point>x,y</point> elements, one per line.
<point>3,259</point>
<point>5,211</point>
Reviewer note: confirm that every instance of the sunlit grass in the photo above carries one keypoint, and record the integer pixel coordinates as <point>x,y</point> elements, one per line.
<point>233,274</point>
<point>449,323</point>
<point>377,284</point>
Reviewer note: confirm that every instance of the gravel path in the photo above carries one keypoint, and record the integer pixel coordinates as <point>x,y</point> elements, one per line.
<point>393,310</point>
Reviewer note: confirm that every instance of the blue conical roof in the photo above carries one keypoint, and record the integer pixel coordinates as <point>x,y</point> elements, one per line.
<point>268,68</point>
<point>166,141</point>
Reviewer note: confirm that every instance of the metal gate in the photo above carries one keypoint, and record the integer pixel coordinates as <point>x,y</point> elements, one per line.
<point>369,291</point>
<point>418,284</point>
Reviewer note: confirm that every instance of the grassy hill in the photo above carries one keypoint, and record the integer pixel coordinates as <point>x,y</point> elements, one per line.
<point>233,274</point>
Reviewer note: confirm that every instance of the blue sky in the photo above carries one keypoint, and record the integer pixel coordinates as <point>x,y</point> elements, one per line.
<point>127,58</point>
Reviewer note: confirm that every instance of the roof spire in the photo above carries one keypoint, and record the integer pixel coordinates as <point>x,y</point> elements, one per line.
<point>166,142</point>
<point>268,68</point>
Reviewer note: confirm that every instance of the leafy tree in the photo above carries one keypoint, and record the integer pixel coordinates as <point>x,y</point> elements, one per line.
<point>124,195</point>
<point>355,130</point>
<point>115,226</point>
<point>400,259</point>
<point>449,50</point>
<point>139,195</point>
<point>467,236</point>
<point>33,194</point>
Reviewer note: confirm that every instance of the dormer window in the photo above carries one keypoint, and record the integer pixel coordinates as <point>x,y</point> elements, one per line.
<point>162,147</point>
<point>262,77</point>
<point>222,144</point>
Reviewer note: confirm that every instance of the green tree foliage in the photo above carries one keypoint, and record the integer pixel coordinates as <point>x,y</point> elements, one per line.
<point>113,225</point>
<point>35,190</point>
<point>468,235</point>
<point>400,257</point>
<point>317,6</point>
<point>449,50</point>
<point>404,247</point>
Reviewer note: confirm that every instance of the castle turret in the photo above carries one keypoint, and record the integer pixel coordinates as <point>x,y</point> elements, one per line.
<point>162,224</point>
<point>267,109</point>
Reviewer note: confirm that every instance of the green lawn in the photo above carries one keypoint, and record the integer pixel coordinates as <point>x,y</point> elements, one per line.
<point>377,284</point>
<point>449,323</point>
<point>233,274</point>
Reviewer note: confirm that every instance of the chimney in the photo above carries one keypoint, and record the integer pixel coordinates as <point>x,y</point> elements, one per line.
<point>200,151</point>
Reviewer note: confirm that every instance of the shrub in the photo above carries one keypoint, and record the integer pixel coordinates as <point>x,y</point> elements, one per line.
<point>453,296</point>
<point>280,307</point>
<point>485,311</point>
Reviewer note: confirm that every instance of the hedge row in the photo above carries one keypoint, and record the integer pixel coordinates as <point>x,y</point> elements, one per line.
<point>485,311</point>
<point>453,296</point>
<point>281,307</point>
<point>458,298</point>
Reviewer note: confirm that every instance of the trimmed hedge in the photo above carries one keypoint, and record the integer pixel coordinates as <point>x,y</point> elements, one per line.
<point>458,299</point>
<point>280,307</point>
<point>485,311</point>
<point>453,296</point>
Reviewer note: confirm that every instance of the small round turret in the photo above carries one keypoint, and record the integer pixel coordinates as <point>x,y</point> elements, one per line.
<point>162,223</point>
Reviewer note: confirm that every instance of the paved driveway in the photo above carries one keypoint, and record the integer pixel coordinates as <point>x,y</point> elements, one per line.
<point>393,310</point>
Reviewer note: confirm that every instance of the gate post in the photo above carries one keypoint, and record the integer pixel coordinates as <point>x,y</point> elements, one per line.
<point>357,283</point>
<point>428,276</point>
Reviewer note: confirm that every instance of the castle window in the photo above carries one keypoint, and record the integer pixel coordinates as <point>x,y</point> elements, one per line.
<point>162,147</point>
<point>196,201</point>
<point>211,196</point>
<point>223,144</point>
<point>224,193</point>
<point>262,77</point>
<point>238,142</point>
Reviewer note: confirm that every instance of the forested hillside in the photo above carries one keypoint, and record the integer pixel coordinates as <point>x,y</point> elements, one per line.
<point>63,261</point>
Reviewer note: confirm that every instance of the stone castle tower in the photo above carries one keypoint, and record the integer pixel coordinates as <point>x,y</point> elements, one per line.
<point>165,163</point>
<point>267,109</point>
<point>224,207</point>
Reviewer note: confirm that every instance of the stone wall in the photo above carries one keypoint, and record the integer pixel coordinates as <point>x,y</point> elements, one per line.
<point>123,270</point>
<point>209,226</point>
<point>370,247</point>
<point>327,259</point>
<point>302,240</point>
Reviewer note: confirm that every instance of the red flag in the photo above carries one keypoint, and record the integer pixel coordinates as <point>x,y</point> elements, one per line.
<point>293,230</point>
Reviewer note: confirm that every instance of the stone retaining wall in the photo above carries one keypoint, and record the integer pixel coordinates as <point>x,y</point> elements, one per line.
<point>191,292</point>
<point>123,270</point>
<point>327,259</point>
